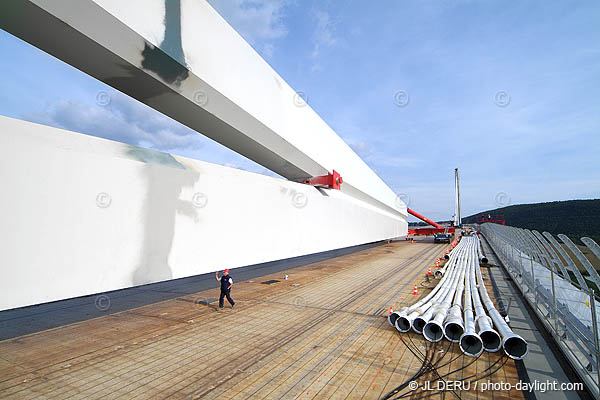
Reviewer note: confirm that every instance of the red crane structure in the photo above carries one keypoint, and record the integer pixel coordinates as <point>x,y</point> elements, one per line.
<point>437,228</point>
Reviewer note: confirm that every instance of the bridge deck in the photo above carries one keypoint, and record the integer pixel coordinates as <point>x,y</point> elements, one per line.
<point>321,334</point>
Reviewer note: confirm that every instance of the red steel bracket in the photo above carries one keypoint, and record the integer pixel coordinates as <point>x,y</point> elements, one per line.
<point>332,181</point>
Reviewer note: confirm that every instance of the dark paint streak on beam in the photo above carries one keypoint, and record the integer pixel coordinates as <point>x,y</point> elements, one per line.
<point>160,60</point>
<point>143,85</point>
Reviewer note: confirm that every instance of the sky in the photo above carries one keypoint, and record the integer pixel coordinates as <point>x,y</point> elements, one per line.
<point>508,92</point>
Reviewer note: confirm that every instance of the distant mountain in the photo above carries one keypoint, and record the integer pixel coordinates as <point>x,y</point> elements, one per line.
<point>574,218</point>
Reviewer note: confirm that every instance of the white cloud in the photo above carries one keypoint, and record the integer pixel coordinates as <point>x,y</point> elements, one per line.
<point>125,120</point>
<point>122,119</point>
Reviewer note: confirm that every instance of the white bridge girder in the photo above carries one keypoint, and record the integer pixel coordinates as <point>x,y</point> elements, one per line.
<point>181,58</point>
<point>83,215</point>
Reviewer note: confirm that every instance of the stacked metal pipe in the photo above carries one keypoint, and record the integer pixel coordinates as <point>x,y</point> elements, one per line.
<point>459,308</point>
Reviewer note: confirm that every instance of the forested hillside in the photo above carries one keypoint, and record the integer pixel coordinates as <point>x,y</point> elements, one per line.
<point>574,218</point>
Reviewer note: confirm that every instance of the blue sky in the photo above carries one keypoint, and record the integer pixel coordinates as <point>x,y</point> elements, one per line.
<point>507,92</point>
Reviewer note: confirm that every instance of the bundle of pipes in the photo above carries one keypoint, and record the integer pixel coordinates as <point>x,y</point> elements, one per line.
<point>456,308</point>
<point>453,244</point>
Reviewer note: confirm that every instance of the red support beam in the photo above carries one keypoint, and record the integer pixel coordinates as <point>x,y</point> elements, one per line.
<point>424,219</point>
<point>429,231</point>
<point>332,181</point>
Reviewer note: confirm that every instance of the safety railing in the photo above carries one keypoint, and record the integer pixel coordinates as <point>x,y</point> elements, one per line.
<point>556,289</point>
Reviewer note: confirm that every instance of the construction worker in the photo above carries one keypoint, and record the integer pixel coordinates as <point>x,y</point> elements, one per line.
<point>226,284</point>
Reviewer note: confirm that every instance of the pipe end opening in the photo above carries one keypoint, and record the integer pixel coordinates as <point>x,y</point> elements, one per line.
<point>418,325</point>
<point>491,341</point>
<point>402,324</point>
<point>453,331</point>
<point>392,318</point>
<point>515,347</point>
<point>471,345</point>
<point>433,332</point>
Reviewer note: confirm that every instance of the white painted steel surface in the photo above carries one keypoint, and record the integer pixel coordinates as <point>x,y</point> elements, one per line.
<point>82,215</point>
<point>183,59</point>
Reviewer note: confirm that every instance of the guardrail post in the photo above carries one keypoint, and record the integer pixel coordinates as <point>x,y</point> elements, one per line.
<point>512,258</point>
<point>533,284</point>
<point>522,277</point>
<point>595,323</point>
<point>554,307</point>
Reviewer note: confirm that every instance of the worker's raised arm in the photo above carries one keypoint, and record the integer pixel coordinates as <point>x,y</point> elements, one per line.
<point>217,276</point>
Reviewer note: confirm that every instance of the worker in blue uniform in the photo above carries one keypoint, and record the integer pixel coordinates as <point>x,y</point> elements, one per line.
<point>226,284</point>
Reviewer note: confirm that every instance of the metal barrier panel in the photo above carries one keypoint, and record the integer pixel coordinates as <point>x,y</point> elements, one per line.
<point>568,312</point>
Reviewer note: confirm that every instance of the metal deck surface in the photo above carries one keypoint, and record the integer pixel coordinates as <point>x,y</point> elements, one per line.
<point>322,333</point>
